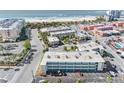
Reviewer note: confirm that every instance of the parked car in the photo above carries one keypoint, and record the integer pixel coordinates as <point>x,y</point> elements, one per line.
<point>65,74</point>
<point>27,61</point>
<point>112,59</point>
<point>122,56</point>
<point>17,69</point>
<point>114,66</point>
<point>41,81</point>
<point>118,52</point>
<point>20,64</point>
<point>5,69</point>
<point>113,74</point>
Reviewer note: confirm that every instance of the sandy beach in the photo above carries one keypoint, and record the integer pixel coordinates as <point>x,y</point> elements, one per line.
<point>59,19</point>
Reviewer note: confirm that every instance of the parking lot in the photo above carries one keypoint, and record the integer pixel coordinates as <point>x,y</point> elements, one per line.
<point>15,48</point>
<point>86,78</point>
<point>6,75</point>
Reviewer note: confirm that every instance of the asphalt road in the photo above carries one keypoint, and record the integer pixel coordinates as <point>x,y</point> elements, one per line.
<point>119,62</point>
<point>25,75</point>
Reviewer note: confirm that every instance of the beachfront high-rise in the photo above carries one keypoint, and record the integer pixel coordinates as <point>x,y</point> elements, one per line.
<point>10,29</point>
<point>112,14</point>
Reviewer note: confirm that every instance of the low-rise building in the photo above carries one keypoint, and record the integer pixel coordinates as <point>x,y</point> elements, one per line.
<point>59,31</point>
<point>72,62</point>
<point>63,33</point>
<point>103,28</point>
<point>100,33</point>
<point>10,29</point>
<point>91,46</point>
<point>53,40</point>
<point>90,27</point>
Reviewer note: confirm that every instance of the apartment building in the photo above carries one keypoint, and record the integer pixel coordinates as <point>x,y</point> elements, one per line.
<point>10,29</point>
<point>59,31</point>
<point>72,62</point>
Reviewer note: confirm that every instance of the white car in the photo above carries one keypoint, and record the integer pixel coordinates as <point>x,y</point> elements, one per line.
<point>41,81</point>
<point>112,73</point>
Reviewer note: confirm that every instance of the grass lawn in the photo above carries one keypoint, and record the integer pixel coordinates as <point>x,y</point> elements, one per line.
<point>65,40</point>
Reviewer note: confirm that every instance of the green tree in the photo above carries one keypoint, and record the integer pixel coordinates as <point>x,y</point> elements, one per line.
<point>72,48</point>
<point>78,81</point>
<point>27,44</point>
<point>46,81</point>
<point>65,48</point>
<point>109,78</point>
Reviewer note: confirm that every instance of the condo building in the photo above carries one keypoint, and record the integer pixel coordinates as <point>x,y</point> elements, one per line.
<point>72,62</point>
<point>10,29</point>
<point>59,31</point>
<point>112,14</point>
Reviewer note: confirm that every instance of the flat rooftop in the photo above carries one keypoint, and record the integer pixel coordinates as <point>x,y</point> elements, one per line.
<point>7,23</point>
<point>62,32</point>
<point>72,57</point>
<point>89,46</point>
<point>55,29</point>
<point>52,39</point>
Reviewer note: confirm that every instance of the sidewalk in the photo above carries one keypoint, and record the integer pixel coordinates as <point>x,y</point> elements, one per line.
<point>3,67</point>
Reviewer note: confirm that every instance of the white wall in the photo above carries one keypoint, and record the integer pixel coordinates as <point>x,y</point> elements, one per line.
<point>100,66</point>
<point>43,69</point>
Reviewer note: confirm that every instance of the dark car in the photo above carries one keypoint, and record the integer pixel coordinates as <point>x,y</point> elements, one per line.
<point>33,50</point>
<point>5,69</point>
<point>17,69</point>
<point>64,74</point>
<point>21,64</point>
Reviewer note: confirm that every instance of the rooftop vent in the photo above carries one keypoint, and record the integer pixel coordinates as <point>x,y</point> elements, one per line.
<point>67,56</point>
<point>79,53</point>
<point>90,57</point>
<point>76,57</point>
<point>58,56</point>
<point>48,57</point>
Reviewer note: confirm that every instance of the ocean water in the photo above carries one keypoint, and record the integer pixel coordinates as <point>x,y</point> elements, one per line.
<point>49,13</point>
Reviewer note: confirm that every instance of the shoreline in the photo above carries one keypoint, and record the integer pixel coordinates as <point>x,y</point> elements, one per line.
<point>55,19</point>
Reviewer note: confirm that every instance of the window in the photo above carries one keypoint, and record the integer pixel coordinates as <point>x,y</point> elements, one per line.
<point>52,63</point>
<point>84,63</point>
<point>78,63</point>
<point>70,63</point>
<point>62,63</point>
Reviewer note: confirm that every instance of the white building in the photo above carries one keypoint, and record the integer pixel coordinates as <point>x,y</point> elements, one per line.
<point>59,31</point>
<point>90,46</point>
<point>10,29</point>
<point>63,33</point>
<point>53,40</point>
<point>72,62</point>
